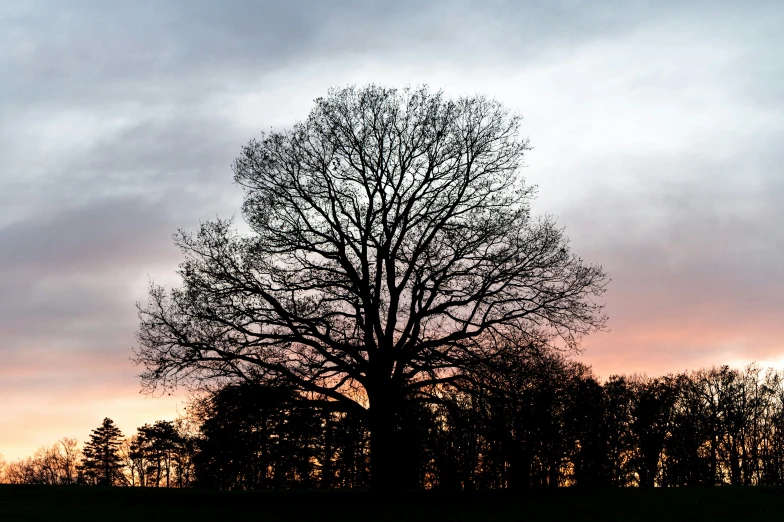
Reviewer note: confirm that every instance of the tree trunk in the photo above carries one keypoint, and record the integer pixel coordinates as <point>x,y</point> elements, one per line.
<point>384,465</point>
<point>520,466</point>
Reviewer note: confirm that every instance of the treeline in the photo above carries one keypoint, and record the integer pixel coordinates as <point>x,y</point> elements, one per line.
<point>541,422</point>
<point>544,423</point>
<point>158,455</point>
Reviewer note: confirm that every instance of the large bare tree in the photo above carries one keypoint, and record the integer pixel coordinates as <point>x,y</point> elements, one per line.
<point>390,237</point>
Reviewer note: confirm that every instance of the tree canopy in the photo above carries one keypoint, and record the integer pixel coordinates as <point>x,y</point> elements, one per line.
<point>391,246</point>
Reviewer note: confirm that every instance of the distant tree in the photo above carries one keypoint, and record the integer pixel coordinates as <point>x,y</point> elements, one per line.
<point>771,448</point>
<point>102,462</point>
<point>686,450</point>
<point>237,449</point>
<point>184,446</point>
<point>50,465</point>
<point>133,467</point>
<point>653,409</point>
<point>61,461</point>
<point>157,454</point>
<point>618,399</point>
<point>255,437</point>
<point>586,431</point>
<point>21,471</point>
<point>391,238</point>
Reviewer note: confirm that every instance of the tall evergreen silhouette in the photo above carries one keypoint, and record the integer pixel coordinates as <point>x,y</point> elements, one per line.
<point>102,463</point>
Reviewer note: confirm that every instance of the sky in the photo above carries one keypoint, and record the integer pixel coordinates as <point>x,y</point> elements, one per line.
<point>657,130</point>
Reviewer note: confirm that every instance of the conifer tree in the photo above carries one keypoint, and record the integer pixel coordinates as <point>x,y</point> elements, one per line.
<point>102,462</point>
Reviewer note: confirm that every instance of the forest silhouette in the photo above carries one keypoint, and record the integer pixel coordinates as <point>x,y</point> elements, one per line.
<point>549,423</point>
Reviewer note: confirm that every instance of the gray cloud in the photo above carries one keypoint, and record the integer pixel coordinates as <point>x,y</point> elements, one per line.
<point>64,274</point>
<point>85,53</point>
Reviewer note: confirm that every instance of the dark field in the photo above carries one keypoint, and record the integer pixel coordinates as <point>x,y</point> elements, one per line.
<point>23,503</point>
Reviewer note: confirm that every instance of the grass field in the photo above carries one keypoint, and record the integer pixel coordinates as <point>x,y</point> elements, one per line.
<point>30,503</point>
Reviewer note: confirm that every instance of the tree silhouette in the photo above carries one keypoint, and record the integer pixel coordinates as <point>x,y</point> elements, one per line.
<point>50,465</point>
<point>102,462</point>
<point>256,436</point>
<point>652,415</point>
<point>391,239</point>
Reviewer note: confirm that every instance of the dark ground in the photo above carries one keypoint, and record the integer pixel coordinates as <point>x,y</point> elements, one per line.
<point>61,503</point>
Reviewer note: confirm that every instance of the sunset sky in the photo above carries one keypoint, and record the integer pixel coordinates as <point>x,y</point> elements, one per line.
<point>657,127</point>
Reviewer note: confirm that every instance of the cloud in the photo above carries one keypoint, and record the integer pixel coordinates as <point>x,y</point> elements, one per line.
<point>695,265</point>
